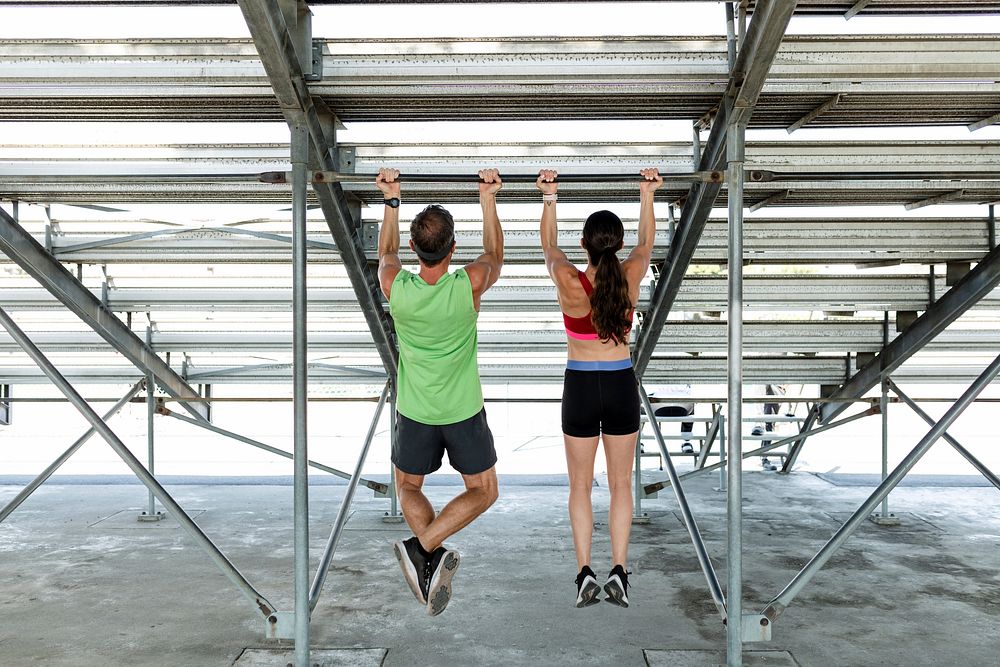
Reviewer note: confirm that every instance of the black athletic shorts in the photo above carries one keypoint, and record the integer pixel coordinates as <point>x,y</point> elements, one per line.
<point>420,447</point>
<point>596,402</point>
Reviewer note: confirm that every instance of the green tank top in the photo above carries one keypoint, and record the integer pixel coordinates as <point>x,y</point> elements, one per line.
<point>438,372</point>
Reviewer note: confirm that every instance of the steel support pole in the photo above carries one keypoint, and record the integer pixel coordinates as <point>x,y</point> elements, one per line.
<point>714,587</point>
<point>175,510</point>
<point>345,506</point>
<point>300,389</point>
<point>992,231</point>
<point>722,452</point>
<point>976,463</point>
<point>150,513</point>
<point>730,35</point>
<point>884,407</point>
<point>55,465</point>
<point>796,448</point>
<point>781,602</point>
<point>394,515</point>
<point>734,496</point>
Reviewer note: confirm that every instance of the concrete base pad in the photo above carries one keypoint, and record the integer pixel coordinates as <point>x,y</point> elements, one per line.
<point>688,658</point>
<point>318,657</point>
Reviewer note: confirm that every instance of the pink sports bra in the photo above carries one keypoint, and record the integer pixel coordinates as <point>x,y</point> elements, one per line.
<point>582,328</point>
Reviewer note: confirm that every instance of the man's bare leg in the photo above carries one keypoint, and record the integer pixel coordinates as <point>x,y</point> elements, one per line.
<point>417,510</point>
<point>480,493</point>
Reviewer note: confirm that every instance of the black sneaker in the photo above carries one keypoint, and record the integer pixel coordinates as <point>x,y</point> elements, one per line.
<point>438,573</point>
<point>687,448</point>
<point>617,586</point>
<point>767,465</point>
<point>587,588</point>
<point>413,565</point>
<point>757,431</point>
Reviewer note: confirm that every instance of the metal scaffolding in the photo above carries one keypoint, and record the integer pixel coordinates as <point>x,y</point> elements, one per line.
<point>833,329</point>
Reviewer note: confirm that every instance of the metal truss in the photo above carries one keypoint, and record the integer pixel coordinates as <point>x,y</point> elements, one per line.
<point>777,606</point>
<point>40,265</point>
<point>263,606</point>
<point>968,291</point>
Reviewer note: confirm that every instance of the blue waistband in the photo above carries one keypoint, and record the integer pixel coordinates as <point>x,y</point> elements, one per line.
<point>619,365</point>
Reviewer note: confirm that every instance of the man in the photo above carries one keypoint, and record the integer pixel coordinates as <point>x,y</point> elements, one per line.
<point>439,398</point>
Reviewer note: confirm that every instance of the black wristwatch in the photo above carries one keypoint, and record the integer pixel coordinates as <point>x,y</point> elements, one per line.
<point>392,203</point>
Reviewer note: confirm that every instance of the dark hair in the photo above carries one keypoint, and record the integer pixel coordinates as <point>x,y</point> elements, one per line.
<point>610,304</point>
<point>433,232</point>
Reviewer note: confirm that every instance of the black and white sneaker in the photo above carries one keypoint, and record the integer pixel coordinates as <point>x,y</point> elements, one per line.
<point>617,586</point>
<point>438,573</point>
<point>587,588</point>
<point>687,447</point>
<point>414,566</point>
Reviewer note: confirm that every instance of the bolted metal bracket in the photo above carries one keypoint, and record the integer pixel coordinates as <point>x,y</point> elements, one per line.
<point>369,235</point>
<point>640,519</point>
<point>280,625</point>
<point>345,159</point>
<point>151,518</point>
<point>879,520</point>
<point>317,62</point>
<point>392,518</point>
<point>756,628</point>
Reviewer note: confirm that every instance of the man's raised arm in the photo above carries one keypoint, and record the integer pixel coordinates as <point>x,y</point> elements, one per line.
<point>388,238</point>
<point>485,271</point>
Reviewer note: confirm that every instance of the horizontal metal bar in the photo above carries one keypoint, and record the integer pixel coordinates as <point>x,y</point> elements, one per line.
<point>340,177</point>
<point>765,176</point>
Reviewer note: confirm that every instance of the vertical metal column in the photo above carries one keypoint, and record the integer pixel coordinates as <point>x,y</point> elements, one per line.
<point>730,35</point>
<point>394,515</point>
<point>992,232</point>
<point>734,497</point>
<point>884,406</point>
<point>722,452</point>
<point>300,160</point>
<point>150,514</point>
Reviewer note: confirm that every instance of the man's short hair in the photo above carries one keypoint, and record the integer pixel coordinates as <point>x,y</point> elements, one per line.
<point>433,233</point>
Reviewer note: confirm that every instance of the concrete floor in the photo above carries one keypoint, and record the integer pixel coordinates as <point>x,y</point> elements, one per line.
<point>76,590</point>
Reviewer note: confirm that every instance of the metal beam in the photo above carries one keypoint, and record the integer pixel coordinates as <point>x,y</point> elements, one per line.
<point>745,83</point>
<point>24,250</point>
<point>977,283</point>
<point>277,52</point>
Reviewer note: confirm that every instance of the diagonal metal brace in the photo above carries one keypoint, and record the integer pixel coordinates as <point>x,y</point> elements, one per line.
<point>35,260</point>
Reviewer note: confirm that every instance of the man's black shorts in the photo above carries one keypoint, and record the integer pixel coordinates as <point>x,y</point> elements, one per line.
<point>420,448</point>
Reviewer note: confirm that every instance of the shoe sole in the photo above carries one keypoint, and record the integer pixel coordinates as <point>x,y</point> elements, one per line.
<point>439,593</point>
<point>589,596</point>
<point>409,572</point>
<point>616,595</point>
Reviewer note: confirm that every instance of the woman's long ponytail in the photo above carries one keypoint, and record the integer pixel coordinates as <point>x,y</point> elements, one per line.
<point>610,304</point>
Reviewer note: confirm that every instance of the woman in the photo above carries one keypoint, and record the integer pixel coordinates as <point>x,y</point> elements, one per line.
<point>600,396</point>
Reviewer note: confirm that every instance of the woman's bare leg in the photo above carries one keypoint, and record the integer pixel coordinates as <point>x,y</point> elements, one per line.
<point>620,453</point>
<point>580,454</point>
